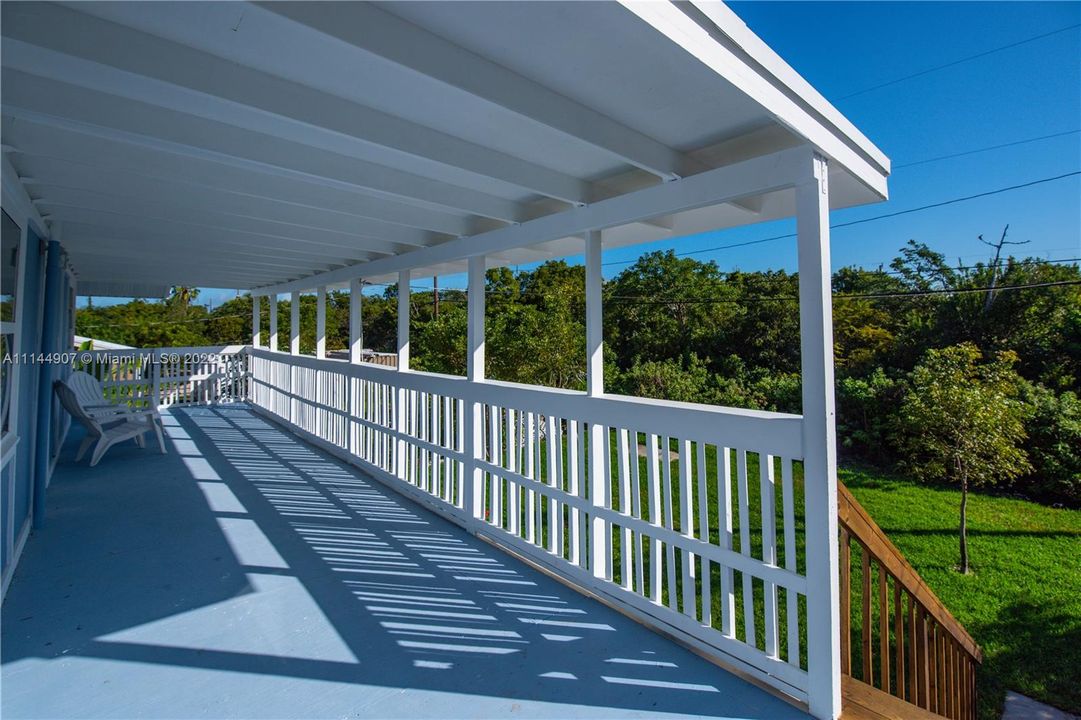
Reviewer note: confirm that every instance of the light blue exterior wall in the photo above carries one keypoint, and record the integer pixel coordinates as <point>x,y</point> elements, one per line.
<point>43,313</point>
<point>28,308</point>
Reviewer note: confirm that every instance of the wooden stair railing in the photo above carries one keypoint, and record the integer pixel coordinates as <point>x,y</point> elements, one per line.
<point>897,636</point>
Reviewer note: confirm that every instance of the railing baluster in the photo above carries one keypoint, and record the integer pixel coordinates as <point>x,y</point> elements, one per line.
<point>686,528</point>
<point>554,539</point>
<point>913,652</point>
<point>744,503</point>
<point>899,640</point>
<point>883,628</point>
<point>538,447</point>
<point>669,523</point>
<point>925,659</point>
<point>531,473</point>
<point>636,511</point>
<point>844,561</point>
<point>574,532</point>
<point>868,674</point>
<point>724,526</point>
<point>623,472</point>
<point>791,561</point>
<point>495,451</point>
<point>767,496</point>
<point>656,561</point>
<point>598,457</point>
<point>703,533</point>
<point>511,436</point>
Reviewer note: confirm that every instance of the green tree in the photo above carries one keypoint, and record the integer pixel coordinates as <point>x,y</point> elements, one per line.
<point>439,344</point>
<point>1054,445</point>
<point>665,308</point>
<point>962,423</point>
<point>536,326</point>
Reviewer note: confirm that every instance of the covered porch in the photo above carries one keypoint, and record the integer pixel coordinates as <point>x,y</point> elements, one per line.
<point>262,568</point>
<point>249,574</point>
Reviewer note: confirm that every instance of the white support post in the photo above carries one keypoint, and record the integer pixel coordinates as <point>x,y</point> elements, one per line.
<point>321,322</point>
<point>273,300</point>
<point>599,487</point>
<point>294,323</point>
<point>594,316</point>
<point>472,487</point>
<point>401,406</point>
<point>356,325</point>
<point>819,442</point>
<point>403,320</point>
<point>475,319</point>
<point>255,321</point>
<point>356,346</point>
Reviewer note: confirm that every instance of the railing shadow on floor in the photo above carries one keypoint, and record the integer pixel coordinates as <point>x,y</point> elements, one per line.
<point>309,569</point>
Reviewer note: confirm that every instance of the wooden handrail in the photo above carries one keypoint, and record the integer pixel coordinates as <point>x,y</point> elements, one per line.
<point>923,657</point>
<point>867,532</point>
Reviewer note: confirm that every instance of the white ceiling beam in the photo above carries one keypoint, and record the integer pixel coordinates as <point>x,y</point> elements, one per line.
<point>179,274</point>
<point>194,278</point>
<point>728,59</point>
<point>107,247</point>
<point>17,202</point>
<point>59,200</point>
<point>49,101</point>
<point>107,288</point>
<point>59,185</point>
<point>386,36</point>
<point>95,269</point>
<point>67,45</point>
<point>756,176</point>
<point>115,224</point>
<point>49,142</point>
<point>137,235</point>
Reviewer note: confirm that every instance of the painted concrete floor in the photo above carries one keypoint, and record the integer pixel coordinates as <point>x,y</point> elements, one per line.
<point>249,575</point>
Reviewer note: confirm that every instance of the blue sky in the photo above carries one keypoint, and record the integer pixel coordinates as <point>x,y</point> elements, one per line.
<point>1023,92</point>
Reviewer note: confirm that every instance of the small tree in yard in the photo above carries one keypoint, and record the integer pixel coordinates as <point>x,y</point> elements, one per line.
<point>961,422</point>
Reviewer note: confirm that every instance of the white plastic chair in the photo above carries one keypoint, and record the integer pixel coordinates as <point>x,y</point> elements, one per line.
<point>89,392</point>
<point>109,424</point>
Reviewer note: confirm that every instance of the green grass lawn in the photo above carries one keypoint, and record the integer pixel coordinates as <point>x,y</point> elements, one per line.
<point>1021,603</point>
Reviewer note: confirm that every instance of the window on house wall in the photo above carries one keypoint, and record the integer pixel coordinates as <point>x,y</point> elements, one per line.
<point>9,263</point>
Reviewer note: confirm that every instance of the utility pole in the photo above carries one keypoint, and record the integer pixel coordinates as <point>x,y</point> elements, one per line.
<point>435,297</point>
<point>1002,242</point>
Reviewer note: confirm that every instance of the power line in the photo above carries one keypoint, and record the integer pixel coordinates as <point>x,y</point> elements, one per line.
<point>93,323</point>
<point>985,149</point>
<point>646,300</point>
<point>960,61</point>
<point>931,206</point>
<point>651,300</point>
<point>956,200</point>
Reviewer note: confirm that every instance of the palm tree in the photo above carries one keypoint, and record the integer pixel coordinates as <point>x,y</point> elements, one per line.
<point>181,297</point>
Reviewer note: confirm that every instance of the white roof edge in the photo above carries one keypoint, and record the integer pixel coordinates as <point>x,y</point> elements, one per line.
<point>732,26</point>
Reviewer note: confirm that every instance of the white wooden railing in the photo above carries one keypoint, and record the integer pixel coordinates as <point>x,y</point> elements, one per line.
<point>650,504</point>
<point>164,377</point>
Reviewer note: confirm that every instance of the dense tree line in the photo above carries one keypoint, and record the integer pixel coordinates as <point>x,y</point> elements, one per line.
<point>681,329</point>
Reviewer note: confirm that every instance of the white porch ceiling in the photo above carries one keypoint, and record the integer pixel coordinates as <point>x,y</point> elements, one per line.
<point>245,144</point>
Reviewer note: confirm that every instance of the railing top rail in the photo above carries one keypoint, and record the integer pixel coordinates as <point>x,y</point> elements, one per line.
<point>771,433</point>
<point>859,524</point>
<point>157,351</point>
